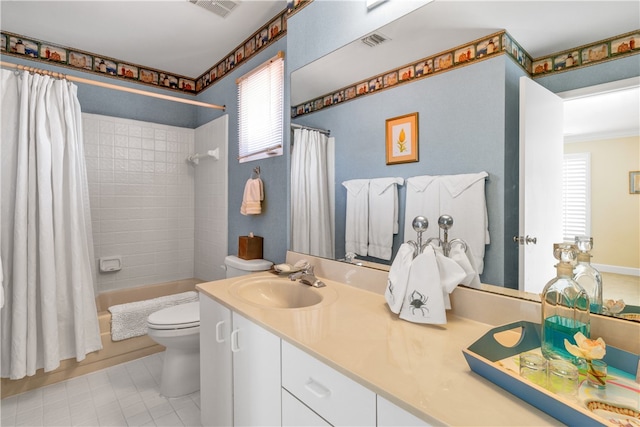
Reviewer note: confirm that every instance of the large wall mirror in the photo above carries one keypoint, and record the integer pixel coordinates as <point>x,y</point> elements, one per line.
<point>611,137</point>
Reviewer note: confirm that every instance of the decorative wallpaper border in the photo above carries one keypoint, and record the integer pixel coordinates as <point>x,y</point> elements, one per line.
<point>604,50</point>
<point>480,49</point>
<point>43,51</point>
<point>460,56</point>
<point>498,43</point>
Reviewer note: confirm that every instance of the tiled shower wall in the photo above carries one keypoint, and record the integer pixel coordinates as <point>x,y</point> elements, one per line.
<point>142,199</point>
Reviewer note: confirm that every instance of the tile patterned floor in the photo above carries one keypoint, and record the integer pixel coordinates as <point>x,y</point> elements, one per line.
<point>123,395</point>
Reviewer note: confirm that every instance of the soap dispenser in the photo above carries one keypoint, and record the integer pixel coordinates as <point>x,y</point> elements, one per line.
<point>565,307</point>
<point>586,275</point>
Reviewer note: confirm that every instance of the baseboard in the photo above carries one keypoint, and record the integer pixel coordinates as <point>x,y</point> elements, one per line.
<point>627,271</point>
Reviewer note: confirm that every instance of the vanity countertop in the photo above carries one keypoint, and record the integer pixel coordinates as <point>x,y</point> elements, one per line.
<point>420,368</point>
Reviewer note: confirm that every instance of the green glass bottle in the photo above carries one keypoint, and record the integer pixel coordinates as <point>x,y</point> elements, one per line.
<point>565,307</point>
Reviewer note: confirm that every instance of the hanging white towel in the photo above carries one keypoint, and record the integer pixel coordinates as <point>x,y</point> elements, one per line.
<point>466,260</point>
<point>463,197</point>
<point>253,197</point>
<point>451,275</point>
<point>423,198</point>
<point>398,278</point>
<point>356,233</point>
<point>423,301</point>
<point>383,215</point>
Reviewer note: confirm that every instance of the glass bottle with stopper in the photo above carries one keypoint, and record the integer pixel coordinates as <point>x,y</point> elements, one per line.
<point>586,275</point>
<point>565,307</point>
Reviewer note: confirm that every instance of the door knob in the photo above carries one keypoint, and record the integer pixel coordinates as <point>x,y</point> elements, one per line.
<point>525,240</point>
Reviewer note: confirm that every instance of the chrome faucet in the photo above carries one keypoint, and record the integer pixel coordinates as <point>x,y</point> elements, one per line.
<point>307,277</point>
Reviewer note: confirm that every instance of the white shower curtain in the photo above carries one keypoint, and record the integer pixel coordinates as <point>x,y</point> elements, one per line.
<point>45,230</point>
<point>312,193</point>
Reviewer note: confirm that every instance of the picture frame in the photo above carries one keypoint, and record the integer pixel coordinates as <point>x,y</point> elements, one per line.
<point>402,139</point>
<point>634,182</point>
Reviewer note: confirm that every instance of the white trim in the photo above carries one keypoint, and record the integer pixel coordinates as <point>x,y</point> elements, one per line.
<point>627,271</point>
<point>599,89</point>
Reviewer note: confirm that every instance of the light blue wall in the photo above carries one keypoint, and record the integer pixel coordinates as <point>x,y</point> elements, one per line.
<point>272,223</point>
<point>97,100</point>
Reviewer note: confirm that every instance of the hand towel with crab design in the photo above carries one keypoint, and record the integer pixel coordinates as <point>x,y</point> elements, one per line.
<point>431,278</point>
<point>399,277</point>
<point>423,300</point>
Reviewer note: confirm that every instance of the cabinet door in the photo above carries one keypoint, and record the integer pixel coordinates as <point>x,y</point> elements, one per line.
<point>297,414</point>
<point>216,392</point>
<point>256,374</point>
<point>391,415</point>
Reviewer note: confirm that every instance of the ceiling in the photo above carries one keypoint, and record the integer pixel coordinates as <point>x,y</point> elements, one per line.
<point>179,37</point>
<point>171,35</point>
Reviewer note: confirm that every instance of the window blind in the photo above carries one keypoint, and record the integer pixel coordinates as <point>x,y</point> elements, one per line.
<point>576,196</point>
<point>260,110</point>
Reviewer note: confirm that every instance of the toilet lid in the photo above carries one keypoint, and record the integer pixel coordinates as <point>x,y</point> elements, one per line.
<point>176,317</point>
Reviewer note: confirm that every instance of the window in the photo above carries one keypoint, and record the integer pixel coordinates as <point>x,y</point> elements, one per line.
<point>260,104</point>
<point>576,196</point>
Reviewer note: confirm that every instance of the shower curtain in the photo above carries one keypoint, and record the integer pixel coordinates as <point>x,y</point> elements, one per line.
<point>46,244</point>
<point>312,227</point>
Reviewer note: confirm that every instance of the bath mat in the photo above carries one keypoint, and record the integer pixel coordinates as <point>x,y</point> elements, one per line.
<point>130,320</point>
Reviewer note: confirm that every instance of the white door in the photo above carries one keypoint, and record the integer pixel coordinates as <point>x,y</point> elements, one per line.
<point>256,375</point>
<point>216,389</point>
<point>541,151</point>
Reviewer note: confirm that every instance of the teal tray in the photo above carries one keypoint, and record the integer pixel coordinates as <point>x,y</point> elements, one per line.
<point>483,354</point>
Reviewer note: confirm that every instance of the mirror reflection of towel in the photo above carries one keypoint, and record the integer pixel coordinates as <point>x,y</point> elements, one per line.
<point>253,196</point>
<point>356,228</point>
<point>383,216</point>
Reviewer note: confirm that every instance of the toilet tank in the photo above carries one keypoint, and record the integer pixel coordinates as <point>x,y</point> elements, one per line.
<point>239,267</point>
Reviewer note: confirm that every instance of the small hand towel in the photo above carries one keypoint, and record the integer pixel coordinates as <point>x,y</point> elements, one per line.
<point>253,196</point>
<point>451,275</point>
<point>356,233</point>
<point>466,260</point>
<point>398,277</point>
<point>383,216</point>
<point>423,301</point>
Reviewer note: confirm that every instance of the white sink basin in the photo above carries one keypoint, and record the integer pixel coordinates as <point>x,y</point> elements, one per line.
<point>277,293</point>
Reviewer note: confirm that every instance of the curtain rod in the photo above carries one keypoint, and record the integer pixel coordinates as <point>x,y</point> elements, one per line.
<point>110,86</point>
<point>297,126</point>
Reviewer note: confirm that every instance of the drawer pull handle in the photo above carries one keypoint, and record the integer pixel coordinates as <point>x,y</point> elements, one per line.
<point>219,338</point>
<point>317,389</point>
<point>234,341</point>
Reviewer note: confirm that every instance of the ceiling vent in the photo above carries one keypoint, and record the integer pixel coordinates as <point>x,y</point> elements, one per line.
<point>219,7</point>
<point>374,39</point>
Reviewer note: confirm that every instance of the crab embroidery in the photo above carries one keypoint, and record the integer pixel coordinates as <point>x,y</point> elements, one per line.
<point>418,302</point>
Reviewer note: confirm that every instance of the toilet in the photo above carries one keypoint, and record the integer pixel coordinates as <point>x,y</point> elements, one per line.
<point>178,329</point>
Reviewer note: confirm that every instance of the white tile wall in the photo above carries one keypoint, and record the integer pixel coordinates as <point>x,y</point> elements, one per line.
<point>142,199</point>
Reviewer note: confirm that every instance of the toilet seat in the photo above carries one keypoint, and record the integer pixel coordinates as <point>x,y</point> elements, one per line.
<point>181,316</point>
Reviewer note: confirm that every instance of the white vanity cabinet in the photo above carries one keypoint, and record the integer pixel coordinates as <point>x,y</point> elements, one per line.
<point>391,415</point>
<point>334,397</point>
<point>239,368</point>
<point>297,414</point>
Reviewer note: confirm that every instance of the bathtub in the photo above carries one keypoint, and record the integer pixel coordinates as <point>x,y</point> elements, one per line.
<point>113,352</point>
